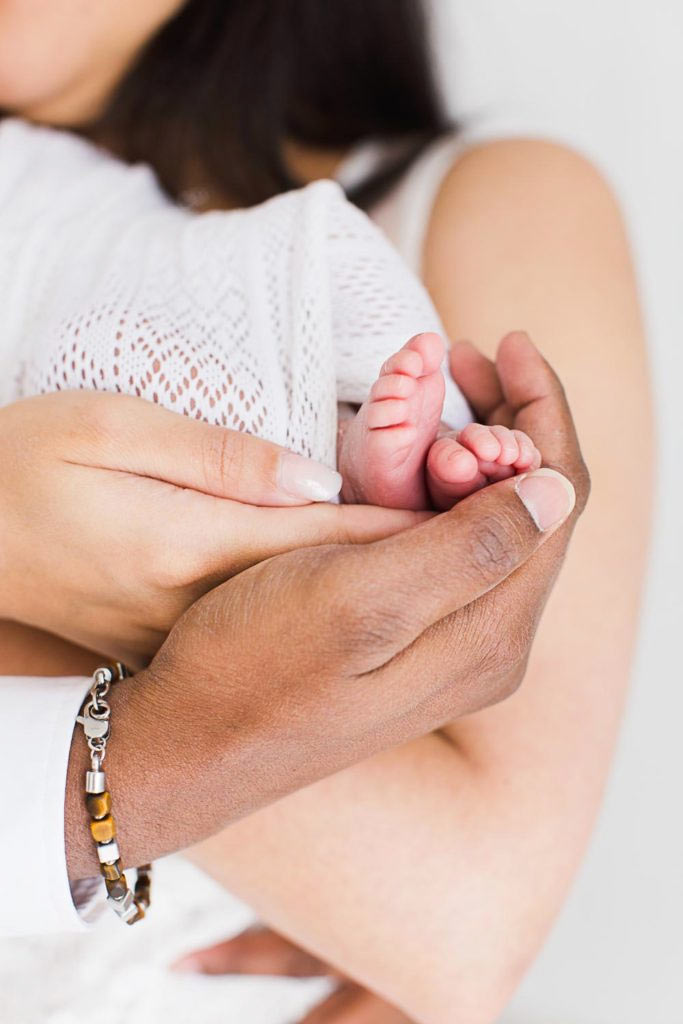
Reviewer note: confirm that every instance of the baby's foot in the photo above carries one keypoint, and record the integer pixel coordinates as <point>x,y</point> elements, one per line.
<point>460,464</point>
<point>383,449</point>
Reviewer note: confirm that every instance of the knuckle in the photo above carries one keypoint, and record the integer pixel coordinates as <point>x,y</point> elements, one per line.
<point>223,458</point>
<point>362,622</point>
<point>582,485</point>
<point>494,545</point>
<point>340,526</point>
<point>171,567</point>
<point>100,420</point>
<point>371,629</point>
<point>505,664</point>
<point>92,414</point>
<point>498,644</point>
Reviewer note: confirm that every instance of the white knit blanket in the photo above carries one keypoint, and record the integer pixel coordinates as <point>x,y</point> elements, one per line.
<point>260,320</point>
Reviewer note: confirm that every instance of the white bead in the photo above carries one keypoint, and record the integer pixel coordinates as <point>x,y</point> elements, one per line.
<point>122,906</point>
<point>108,852</point>
<point>95,782</point>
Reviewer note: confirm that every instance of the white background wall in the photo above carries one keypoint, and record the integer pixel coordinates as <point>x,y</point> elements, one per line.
<point>606,76</point>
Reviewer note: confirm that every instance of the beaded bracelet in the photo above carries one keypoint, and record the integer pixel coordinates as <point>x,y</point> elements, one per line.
<point>130,905</point>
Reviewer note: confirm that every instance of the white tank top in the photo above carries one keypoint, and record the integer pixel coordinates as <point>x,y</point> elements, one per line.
<point>404,214</point>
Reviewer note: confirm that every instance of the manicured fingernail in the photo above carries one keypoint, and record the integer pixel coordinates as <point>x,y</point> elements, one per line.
<point>547,496</point>
<point>187,964</point>
<point>308,480</point>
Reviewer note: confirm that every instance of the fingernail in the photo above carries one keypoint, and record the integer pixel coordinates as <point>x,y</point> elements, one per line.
<point>308,480</point>
<point>187,964</point>
<point>547,496</point>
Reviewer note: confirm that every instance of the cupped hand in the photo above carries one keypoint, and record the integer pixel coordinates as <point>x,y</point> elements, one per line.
<point>115,515</point>
<point>321,657</point>
<point>493,393</point>
<point>264,952</point>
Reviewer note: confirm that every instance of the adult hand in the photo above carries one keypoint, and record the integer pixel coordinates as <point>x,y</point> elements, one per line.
<point>115,515</point>
<point>321,657</point>
<point>264,952</point>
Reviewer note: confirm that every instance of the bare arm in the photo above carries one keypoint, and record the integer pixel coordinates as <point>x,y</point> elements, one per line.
<point>433,872</point>
<point>546,752</point>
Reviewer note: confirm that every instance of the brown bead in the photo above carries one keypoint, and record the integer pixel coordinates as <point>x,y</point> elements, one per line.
<point>142,895</point>
<point>103,831</point>
<point>118,888</point>
<point>98,804</point>
<point>138,917</point>
<point>112,871</point>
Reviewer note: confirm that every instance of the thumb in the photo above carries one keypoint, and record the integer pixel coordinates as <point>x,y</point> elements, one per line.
<point>413,579</point>
<point>264,532</point>
<point>225,537</point>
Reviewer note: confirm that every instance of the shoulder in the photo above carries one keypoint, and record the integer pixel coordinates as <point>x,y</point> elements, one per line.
<point>533,168</point>
<point>530,186</point>
<point>520,229</point>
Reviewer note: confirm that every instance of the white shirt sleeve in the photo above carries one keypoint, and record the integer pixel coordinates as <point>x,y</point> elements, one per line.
<point>36,726</point>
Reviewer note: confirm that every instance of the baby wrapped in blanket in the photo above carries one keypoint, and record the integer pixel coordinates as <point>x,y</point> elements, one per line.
<point>268,320</point>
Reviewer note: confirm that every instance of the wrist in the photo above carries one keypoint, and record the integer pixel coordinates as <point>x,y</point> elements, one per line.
<point>168,773</point>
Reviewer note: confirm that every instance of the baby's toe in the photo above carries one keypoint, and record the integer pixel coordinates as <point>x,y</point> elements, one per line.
<point>431,349</point>
<point>406,362</point>
<point>452,473</point>
<point>493,471</point>
<point>529,455</point>
<point>393,385</point>
<point>389,413</point>
<point>451,462</point>
<point>509,445</point>
<point>481,441</point>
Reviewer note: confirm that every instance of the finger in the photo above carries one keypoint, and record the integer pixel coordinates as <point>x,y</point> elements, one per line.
<point>209,527</point>
<point>477,378</point>
<point>537,400</point>
<point>136,436</point>
<point>256,951</point>
<point>351,1004</point>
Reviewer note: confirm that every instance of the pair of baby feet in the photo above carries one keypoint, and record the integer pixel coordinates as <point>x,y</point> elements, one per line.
<point>391,454</point>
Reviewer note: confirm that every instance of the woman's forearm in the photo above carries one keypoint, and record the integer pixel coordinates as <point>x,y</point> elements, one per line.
<point>400,872</point>
<point>545,246</point>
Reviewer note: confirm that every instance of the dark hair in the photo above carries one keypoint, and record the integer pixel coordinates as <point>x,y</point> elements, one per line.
<point>225,83</point>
